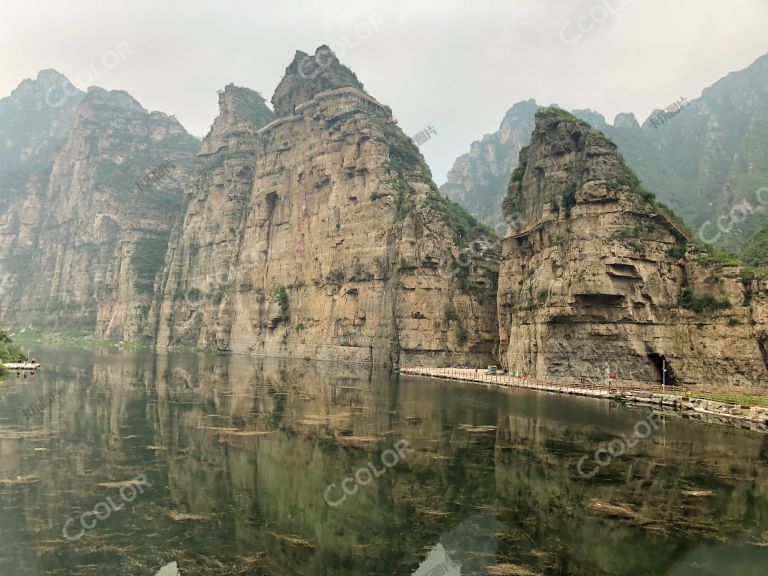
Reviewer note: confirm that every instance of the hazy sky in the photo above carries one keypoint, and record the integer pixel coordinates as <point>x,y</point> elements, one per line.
<point>452,64</point>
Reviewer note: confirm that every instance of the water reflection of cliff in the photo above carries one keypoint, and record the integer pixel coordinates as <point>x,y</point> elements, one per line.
<point>240,452</point>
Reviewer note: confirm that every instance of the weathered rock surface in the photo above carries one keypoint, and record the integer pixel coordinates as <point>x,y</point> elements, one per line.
<point>599,279</point>
<point>84,237</point>
<point>34,122</point>
<point>321,235</point>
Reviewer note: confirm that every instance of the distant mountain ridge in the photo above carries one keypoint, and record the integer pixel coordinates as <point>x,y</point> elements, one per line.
<point>707,161</point>
<point>90,186</point>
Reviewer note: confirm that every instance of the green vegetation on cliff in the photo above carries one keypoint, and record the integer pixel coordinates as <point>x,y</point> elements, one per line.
<point>755,252</point>
<point>250,106</point>
<point>148,259</point>
<point>9,350</point>
<point>406,160</point>
<point>465,227</point>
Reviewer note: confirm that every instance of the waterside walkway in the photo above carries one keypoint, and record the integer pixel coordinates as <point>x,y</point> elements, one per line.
<point>676,398</point>
<point>510,381</point>
<point>22,366</point>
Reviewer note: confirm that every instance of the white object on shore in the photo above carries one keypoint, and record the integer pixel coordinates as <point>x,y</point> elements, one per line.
<point>22,365</point>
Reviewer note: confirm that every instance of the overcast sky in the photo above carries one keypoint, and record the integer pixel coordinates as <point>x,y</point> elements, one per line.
<point>456,65</point>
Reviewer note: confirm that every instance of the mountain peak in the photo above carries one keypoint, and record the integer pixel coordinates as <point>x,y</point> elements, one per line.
<point>240,103</point>
<point>520,112</point>
<point>308,75</point>
<point>50,76</point>
<point>50,88</point>
<point>553,116</point>
<point>592,117</point>
<point>626,120</point>
<point>113,99</point>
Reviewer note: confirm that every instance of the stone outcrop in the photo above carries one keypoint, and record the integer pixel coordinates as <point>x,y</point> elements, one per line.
<point>598,279</point>
<point>320,234</point>
<point>85,232</point>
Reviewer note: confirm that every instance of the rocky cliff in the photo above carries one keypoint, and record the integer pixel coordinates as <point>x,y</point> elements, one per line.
<point>85,232</point>
<point>34,122</point>
<point>600,279</point>
<point>707,159</point>
<point>320,234</point>
<point>478,179</point>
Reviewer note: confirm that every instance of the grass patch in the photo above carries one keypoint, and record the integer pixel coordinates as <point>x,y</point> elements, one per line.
<point>282,302</point>
<point>738,398</point>
<point>466,229</point>
<point>569,199</point>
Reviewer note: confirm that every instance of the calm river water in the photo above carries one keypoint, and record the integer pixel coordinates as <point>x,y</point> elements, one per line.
<point>144,464</point>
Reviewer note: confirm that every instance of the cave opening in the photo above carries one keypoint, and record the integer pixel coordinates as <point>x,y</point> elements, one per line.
<point>660,363</point>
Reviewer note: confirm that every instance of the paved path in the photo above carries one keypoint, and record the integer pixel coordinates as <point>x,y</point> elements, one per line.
<point>507,381</point>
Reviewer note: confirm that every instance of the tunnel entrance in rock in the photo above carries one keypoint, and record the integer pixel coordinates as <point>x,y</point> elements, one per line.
<point>660,363</point>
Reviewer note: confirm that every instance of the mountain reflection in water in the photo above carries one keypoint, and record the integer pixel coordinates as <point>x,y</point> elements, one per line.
<point>238,453</point>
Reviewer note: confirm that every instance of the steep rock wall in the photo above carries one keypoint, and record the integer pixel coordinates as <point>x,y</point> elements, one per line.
<point>80,247</point>
<point>321,235</point>
<point>599,280</point>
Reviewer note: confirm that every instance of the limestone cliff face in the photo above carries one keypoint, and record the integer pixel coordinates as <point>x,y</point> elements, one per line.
<point>598,277</point>
<point>81,245</point>
<point>321,235</point>
<point>34,122</point>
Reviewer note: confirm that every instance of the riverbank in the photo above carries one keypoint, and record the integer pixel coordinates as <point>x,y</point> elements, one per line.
<point>680,400</point>
<point>81,340</point>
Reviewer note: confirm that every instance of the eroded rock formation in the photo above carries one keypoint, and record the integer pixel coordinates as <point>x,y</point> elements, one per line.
<point>599,280</point>
<point>320,234</point>
<point>87,225</point>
